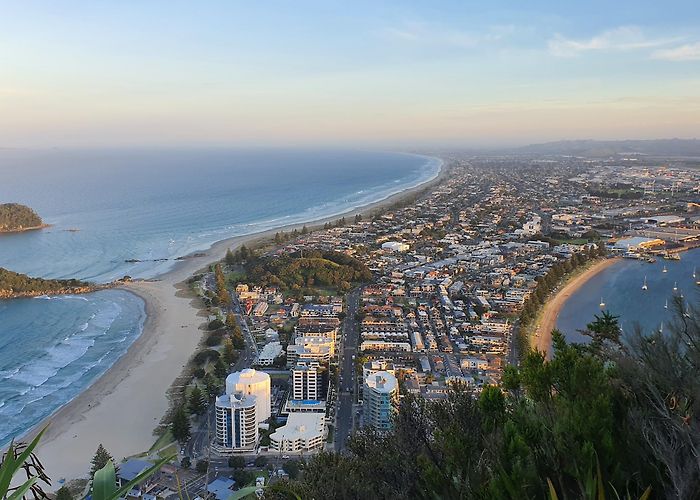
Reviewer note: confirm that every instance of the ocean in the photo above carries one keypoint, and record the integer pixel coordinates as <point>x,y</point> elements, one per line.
<point>620,288</point>
<point>116,213</point>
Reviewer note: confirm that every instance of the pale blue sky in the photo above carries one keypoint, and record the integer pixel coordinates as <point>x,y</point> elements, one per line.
<point>393,74</point>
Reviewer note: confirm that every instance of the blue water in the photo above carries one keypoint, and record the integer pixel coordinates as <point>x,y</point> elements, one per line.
<point>620,287</point>
<point>146,205</point>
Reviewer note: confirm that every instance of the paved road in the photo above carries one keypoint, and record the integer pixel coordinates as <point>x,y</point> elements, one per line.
<point>347,377</point>
<point>204,432</point>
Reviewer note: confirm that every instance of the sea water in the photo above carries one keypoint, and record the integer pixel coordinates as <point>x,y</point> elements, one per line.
<point>619,287</point>
<point>116,213</point>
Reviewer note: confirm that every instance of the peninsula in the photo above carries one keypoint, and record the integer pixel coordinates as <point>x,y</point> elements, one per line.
<point>17,218</point>
<point>15,285</point>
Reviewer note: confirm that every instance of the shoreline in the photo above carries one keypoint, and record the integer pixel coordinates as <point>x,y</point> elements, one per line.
<point>130,398</point>
<point>547,319</point>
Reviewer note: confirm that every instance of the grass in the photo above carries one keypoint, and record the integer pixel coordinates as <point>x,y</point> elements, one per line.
<point>164,440</point>
<point>168,451</point>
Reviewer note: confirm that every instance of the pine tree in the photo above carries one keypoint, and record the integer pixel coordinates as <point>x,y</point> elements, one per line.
<point>63,493</point>
<point>100,459</point>
<point>220,369</point>
<point>196,403</point>
<point>180,426</point>
<point>230,258</point>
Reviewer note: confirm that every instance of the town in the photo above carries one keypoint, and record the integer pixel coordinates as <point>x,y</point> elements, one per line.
<point>321,331</point>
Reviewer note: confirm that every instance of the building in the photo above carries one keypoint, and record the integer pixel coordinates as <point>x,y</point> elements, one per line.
<point>269,353</point>
<point>395,246</point>
<point>303,432</point>
<point>380,394</point>
<point>252,383</point>
<point>306,381</point>
<point>236,422</point>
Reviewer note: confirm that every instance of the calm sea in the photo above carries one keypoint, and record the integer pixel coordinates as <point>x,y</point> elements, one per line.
<point>110,207</point>
<point>620,288</point>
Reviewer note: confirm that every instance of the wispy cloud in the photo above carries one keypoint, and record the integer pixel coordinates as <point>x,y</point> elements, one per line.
<point>623,38</point>
<point>687,52</point>
<point>429,34</point>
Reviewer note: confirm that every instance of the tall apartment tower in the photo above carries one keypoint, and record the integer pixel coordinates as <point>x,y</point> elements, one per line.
<point>306,381</point>
<point>380,395</point>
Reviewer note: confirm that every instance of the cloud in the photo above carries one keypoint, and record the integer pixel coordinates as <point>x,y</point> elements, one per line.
<point>687,52</point>
<point>624,38</point>
<point>427,34</point>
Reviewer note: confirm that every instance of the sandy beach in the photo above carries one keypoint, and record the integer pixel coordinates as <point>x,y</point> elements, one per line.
<point>542,340</point>
<point>124,406</point>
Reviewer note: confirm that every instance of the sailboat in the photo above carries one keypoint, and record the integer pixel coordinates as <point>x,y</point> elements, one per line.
<point>675,286</point>
<point>694,273</point>
<point>666,304</point>
<point>602,304</point>
<point>664,270</point>
<point>644,286</point>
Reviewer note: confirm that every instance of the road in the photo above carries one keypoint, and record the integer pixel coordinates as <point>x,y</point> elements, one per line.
<point>347,376</point>
<point>205,430</point>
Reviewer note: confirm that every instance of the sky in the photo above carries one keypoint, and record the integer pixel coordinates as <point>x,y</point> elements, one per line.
<point>353,73</point>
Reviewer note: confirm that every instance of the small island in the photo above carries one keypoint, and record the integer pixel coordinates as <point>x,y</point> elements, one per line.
<point>15,285</point>
<point>16,218</point>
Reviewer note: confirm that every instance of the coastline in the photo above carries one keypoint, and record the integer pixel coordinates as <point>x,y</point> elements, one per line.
<point>547,320</point>
<point>130,398</point>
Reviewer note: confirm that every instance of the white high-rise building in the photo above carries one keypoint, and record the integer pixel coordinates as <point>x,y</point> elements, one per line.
<point>236,422</point>
<point>380,395</point>
<point>306,381</point>
<point>252,383</point>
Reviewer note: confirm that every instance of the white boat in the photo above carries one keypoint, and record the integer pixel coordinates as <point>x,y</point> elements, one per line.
<point>666,304</point>
<point>694,273</point>
<point>644,286</point>
<point>602,303</point>
<point>675,286</point>
<point>664,270</point>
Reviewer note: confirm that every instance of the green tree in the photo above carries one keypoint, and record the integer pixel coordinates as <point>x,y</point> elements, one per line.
<point>100,459</point>
<point>196,402</point>
<point>180,426</point>
<point>185,463</point>
<point>229,353</point>
<point>64,493</point>
<point>202,466</point>
<point>236,462</point>
<point>260,461</point>
<point>220,369</point>
<point>230,258</point>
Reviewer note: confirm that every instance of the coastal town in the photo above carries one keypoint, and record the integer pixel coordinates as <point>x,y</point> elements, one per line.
<point>320,331</point>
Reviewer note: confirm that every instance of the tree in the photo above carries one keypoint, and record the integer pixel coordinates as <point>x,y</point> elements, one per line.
<point>220,369</point>
<point>237,339</point>
<point>236,462</point>
<point>260,461</point>
<point>229,353</point>
<point>64,493</point>
<point>180,426</point>
<point>291,467</point>
<point>242,477</point>
<point>212,386</point>
<point>196,402</point>
<point>100,459</point>
<point>185,463</point>
<point>202,466</point>
<point>230,258</point>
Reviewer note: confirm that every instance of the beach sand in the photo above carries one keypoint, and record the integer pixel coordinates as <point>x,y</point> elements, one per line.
<point>542,340</point>
<point>123,407</point>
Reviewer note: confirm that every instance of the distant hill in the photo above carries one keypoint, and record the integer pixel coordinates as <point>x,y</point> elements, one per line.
<point>592,148</point>
<point>16,217</point>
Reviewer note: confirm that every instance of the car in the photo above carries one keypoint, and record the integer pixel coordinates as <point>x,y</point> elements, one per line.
<point>285,457</point>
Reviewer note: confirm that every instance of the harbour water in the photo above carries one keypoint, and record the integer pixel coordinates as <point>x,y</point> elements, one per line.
<point>116,213</point>
<point>620,288</point>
